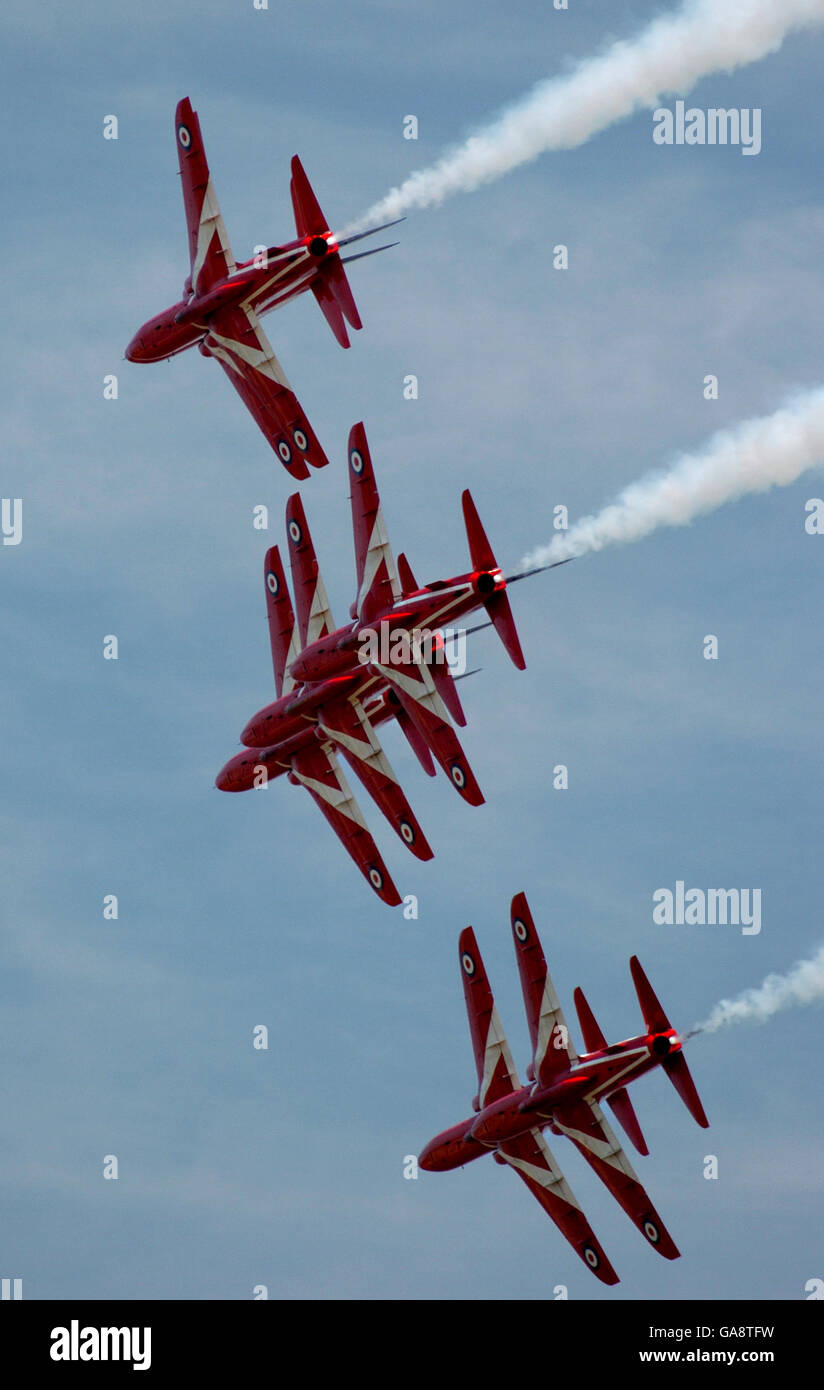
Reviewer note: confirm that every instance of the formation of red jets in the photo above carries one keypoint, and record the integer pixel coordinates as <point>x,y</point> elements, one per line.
<point>334,686</point>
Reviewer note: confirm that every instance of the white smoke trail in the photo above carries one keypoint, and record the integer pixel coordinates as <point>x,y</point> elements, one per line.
<point>669,56</point>
<point>769,451</point>
<point>801,985</point>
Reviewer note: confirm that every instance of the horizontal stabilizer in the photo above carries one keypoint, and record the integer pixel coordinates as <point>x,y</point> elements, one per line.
<point>594,1039</point>
<point>408,582</point>
<point>445,682</point>
<point>497,603</point>
<point>674,1063</point>
<point>622,1108</point>
<point>480,550</point>
<point>653,1015</point>
<point>416,741</point>
<point>501,614</point>
<point>309,218</point>
<point>331,288</point>
<point>335,276</point>
<point>331,311</point>
<point>679,1074</point>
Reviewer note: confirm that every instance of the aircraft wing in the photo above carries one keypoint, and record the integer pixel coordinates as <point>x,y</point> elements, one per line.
<point>552,1046</point>
<point>209,251</point>
<point>314,614</point>
<point>236,338</point>
<point>346,724</point>
<point>317,769</point>
<point>497,1076</point>
<point>283,632</point>
<point>412,682</point>
<point>377,575</point>
<point>584,1123</point>
<point>529,1156</point>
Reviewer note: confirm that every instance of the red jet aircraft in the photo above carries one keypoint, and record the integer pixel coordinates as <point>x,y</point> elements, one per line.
<point>333,686</point>
<point>222,301</point>
<point>563,1094</point>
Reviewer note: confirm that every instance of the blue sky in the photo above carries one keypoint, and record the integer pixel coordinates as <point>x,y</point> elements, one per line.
<point>285,1167</point>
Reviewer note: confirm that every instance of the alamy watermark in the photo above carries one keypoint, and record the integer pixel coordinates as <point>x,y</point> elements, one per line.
<point>708,907</point>
<point>715,126</point>
<point>388,646</point>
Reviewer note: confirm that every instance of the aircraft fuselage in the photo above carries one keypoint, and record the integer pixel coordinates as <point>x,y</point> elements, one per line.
<point>592,1078</point>
<point>280,730</point>
<point>266,282</point>
<point>427,610</point>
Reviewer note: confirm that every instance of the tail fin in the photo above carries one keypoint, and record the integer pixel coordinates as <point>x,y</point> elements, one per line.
<point>331,289</point>
<point>674,1063</point>
<point>283,636</point>
<point>377,576</point>
<point>496,603</point>
<point>408,582</point>
<point>314,617</point>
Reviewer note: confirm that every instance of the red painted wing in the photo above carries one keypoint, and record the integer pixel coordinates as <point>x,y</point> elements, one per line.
<point>314,614</point>
<point>497,1076</point>
<point>415,688</point>
<point>532,1160</point>
<point>585,1124</point>
<point>282,630</point>
<point>552,1047</point>
<point>235,337</point>
<point>209,251</point>
<point>346,724</point>
<point>317,770</point>
<point>377,576</point>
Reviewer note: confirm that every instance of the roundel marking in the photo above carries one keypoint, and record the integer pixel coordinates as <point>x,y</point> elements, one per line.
<point>272,582</point>
<point>407,832</point>
<point>468,963</point>
<point>520,929</point>
<point>651,1232</point>
<point>376,878</point>
<point>184,135</point>
<point>356,460</point>
<point>295,532</point>
<point>300,439</point>
<point>457,775</point>
<point>591,1257</point>
<point>284,451</point>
